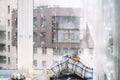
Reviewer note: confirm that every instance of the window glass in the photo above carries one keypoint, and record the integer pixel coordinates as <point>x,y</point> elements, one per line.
<point>2,35</point>
<point>8,48</point>
<point>43,36</point>
<point>8,60</point>
<point>55,28</point>
<point>34,49</point>
<point>44,50</point>
<point>66,36</point>
<point>8,22</point>
<point>64,31</point>
<point>8,9</point>
<point>35,23</point>
<point>43,21</point>
<point>35,36</point>
<point>66,21</point>
<point>75,27</point>
<point>2,59</point>
<point>8,35</point>
<point>35,63</point>
<point>44,64</point>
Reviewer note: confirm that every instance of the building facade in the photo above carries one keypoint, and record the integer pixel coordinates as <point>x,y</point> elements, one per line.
<point>7,54</point>
<point>56,31</point>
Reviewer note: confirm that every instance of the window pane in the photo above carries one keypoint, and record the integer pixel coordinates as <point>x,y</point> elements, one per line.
<point>62,33</point>
<point>35,23</point>
<point>43,36</point>
<point>66,36</point>
<point>35,63</point>
<point>35,36</point>
<point>44,64</point>
<point>2,60</point>
<point>8,9</point>
<point>66,21</point>
<point>8,60</point>
<point>34,49</point>
<point>8,35</point>
<point>43,21</point>
<point>69,27</point>
<point>44,50</point>
<point>2,47</point>
<point>8,48</point>
<point>8,22</point>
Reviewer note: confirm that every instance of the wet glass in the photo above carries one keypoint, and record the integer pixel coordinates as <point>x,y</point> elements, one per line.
<point>88,29</point>
<point>85,28</point>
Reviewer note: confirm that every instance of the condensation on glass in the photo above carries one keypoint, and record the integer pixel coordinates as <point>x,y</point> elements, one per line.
<point>76,27</point>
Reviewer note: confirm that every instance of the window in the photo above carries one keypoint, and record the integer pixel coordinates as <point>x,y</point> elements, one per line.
<point>44,50</point>
<point>2,47</point>
<point>2,59</point>
<point>34,36</point>
<point>8,22</point>
<point>66,50</point>
<point>35,23</point>
<point>8,60</point>
<point>35,63</point>
<point>66,36</point>
<point>43,21</point>
<point>2,35</point>
<point>43,36</point>
<point>8,9</point>
<point>66,21</point>
<point>8,48</point>
<point>55,51</point>
<point>58,51</point>
<point>61,51</point>
<point>34,49</point>
<point>8,35</point>
<point>75,50</point>
<point>54,22</point>
<point>44,63</point>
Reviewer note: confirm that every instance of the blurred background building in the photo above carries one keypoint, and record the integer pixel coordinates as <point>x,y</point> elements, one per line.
<point>56,31</point>
<point>91,30</point>
<point>7,52</point>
